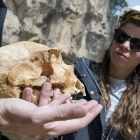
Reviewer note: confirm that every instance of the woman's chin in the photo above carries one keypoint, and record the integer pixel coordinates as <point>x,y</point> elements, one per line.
<point>118,64</point>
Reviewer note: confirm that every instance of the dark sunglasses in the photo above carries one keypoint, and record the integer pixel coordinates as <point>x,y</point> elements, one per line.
<point>121,36</point>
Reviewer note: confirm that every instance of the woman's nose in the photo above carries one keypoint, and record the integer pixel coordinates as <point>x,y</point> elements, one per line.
<point>126,45</point>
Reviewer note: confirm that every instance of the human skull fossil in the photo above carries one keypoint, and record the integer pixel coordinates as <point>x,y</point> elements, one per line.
<point>29,64</point>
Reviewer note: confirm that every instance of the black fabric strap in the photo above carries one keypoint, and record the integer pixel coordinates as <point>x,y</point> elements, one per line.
<point>3,10</point>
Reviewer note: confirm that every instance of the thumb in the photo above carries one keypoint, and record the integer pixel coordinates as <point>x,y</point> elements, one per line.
<point>62,112</point>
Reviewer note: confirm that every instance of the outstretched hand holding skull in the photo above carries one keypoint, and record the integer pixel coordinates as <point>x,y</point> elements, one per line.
<point>66,119</point>
<point>48,120</point>
<point>25,66</point>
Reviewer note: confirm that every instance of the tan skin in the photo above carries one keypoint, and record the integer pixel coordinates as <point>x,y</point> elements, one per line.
<point>121,68</point>
<point>46,120</point>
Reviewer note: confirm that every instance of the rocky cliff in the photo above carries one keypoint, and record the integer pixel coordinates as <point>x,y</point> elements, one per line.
<point>78,27</point>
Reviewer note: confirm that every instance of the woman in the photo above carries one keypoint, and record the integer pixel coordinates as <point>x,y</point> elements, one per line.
<point>115,83</point>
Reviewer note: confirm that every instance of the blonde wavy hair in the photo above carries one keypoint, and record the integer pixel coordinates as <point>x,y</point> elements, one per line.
<point>126,117</point>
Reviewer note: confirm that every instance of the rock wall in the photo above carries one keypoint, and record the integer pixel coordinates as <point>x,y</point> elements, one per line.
<point>78,27</point>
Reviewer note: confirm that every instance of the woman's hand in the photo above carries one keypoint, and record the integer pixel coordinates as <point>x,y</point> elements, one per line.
<point>47,120</point>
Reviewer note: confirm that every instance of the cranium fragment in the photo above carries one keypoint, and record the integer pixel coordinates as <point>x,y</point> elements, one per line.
<point>28,64</point>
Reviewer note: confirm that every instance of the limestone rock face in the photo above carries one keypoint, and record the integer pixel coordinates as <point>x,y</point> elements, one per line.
<point>77,27</point>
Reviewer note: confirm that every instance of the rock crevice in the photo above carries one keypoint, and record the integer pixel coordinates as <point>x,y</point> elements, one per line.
<point>77,27</point>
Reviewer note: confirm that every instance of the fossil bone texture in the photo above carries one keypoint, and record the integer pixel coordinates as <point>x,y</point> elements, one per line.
<point>29,64</point>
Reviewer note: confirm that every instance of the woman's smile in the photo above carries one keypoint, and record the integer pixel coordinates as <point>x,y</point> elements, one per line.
<point>121,55</point>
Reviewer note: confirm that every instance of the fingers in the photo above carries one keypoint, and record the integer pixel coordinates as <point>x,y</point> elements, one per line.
<point>61,112</point>
<point>68,101</point>
<point>82,101</point>
<point>72,111</point>
<point>78,124</point>
<point>45,94</point>
<point>27,93</point>
<point>56,93</point>
<point>91,114</point>
<point>60,100</point>
<point>90,104</point>
<point>83,122</point>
